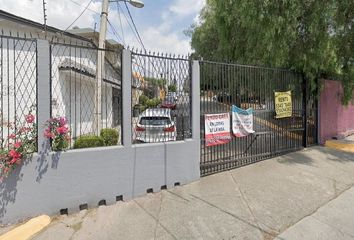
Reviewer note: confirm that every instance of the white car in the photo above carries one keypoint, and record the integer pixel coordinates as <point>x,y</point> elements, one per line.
<point>155,125</point>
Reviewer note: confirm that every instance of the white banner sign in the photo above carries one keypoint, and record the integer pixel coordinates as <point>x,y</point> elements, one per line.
<point>242,121</point>
<point>217,129</point>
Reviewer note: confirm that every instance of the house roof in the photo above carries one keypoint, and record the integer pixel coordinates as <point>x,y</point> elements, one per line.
<point>71,65</point>
<point>30,23</point>
<point>81,30</point>
<point>83,34</point>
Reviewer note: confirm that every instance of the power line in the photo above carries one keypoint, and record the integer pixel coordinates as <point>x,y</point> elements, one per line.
<point>131,27</point>
<point>78,4</point>
<point>136,30</point>
<point>79,16</point>
<point>115,32</point>
<point>120,21</point>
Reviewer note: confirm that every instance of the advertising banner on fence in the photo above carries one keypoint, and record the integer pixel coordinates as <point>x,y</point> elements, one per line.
<point>242,121</point>
<point>217,129</point>
<point>283,104</point>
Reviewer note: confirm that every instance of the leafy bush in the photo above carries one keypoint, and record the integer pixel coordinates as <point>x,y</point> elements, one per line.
<point>160,82</point>
<point>152,103</point>
<point>109,136</point>
<point>172,88</point>
<point>88,141</point>
<point>143,99</point>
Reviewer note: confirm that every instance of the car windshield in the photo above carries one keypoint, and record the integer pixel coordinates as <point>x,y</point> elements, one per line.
<point>155,121</point>
<point>169,99</point>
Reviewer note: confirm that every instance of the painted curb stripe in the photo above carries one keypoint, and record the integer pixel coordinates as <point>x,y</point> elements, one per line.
<point>347,147</point>
<point>28,229</point>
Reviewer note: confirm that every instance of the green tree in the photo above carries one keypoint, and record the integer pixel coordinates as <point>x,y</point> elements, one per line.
<point>312,37</point>
<point>172,88</point>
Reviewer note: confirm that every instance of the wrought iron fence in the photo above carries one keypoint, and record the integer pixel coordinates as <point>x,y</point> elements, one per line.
<point>161,106</point>
<point>224,85</point>
<point>18,85</point>
<point>73,84</point>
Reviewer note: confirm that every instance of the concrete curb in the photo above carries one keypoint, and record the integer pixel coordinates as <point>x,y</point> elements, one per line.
<point>28,229</point>
<point>340,145</point>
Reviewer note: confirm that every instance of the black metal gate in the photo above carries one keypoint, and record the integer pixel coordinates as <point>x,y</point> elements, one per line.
<point>224,85</point>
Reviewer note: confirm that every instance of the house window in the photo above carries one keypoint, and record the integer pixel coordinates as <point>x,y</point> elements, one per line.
<point>116,106</point>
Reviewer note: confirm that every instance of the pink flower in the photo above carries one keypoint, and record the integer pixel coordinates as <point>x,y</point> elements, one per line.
<point>29,118</point>
<point>62,130</point>
<point>17,144</point>
<point>14,154</point>
<point>13,161</point>
<point>24,129</point>
<point>12,136</point>
<point>48,134</point>
<point>62,121</point>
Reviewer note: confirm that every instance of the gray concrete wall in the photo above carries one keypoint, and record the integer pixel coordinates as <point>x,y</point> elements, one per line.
<point>52,181</point>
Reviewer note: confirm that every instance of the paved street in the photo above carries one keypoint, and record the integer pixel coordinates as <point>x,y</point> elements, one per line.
<point>303,195</point>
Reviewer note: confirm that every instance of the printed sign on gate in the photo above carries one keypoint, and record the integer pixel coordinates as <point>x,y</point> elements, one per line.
<point>283,104</point>
<point>242,121</point>
<point>217,129</point>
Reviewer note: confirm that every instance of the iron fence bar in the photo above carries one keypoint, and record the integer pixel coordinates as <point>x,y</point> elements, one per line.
<point>2,91</point>
<point>305,126</point>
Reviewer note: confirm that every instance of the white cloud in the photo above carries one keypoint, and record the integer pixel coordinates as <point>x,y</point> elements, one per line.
<point>186,7</point>
<point>158,41</point>
<point>164,37</point>
<point>60,14</point>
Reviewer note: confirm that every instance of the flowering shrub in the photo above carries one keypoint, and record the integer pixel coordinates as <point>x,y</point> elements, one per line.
<point>58,131</point>
<point>18,145</point>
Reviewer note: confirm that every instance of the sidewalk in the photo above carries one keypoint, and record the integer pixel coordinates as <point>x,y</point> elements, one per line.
<point>303,195</point>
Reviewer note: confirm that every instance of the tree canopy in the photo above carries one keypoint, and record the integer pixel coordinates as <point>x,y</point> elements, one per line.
<point>313,37</point>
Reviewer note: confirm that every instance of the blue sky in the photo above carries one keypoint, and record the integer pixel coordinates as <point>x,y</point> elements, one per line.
<point>161,22</point>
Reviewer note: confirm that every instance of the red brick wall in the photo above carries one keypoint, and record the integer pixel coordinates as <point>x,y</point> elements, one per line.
<point>335,119</point>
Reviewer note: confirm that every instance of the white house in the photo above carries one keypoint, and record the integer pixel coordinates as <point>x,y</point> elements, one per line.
<point>73,57</point>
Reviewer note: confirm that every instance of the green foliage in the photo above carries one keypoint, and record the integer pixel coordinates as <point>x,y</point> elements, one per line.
<point>88,141</point>
<point>311,37</point>
<point>172,88</point>
<point>143,99</point>
<point>160,82</point>
<point>109,136</point>
<point>152,103</point>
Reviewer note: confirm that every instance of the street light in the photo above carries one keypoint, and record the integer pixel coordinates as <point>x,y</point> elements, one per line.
<point>101,57</point>
<point>134,3</point>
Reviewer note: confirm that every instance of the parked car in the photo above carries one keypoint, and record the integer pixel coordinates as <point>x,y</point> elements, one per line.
<point>169,102</point>
<point>173,95</point>
<point>224,97</point>
<point>155,125</point>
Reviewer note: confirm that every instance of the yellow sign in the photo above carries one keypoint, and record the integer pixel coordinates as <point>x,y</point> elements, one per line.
<point>283,104</point>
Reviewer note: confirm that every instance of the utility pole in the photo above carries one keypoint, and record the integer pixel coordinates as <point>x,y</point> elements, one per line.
<point>101,60</point>
<point>100,67</point>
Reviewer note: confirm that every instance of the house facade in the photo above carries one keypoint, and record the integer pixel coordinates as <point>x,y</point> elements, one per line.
<point>73,74</point>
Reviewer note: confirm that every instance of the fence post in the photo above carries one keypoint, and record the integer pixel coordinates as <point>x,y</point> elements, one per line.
<point>304,109</point>
<point>195,100</point>
<point>43,92</point>
<point>126,98</point>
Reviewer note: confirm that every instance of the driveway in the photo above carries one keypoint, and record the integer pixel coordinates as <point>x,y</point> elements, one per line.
<point>302,195</point>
